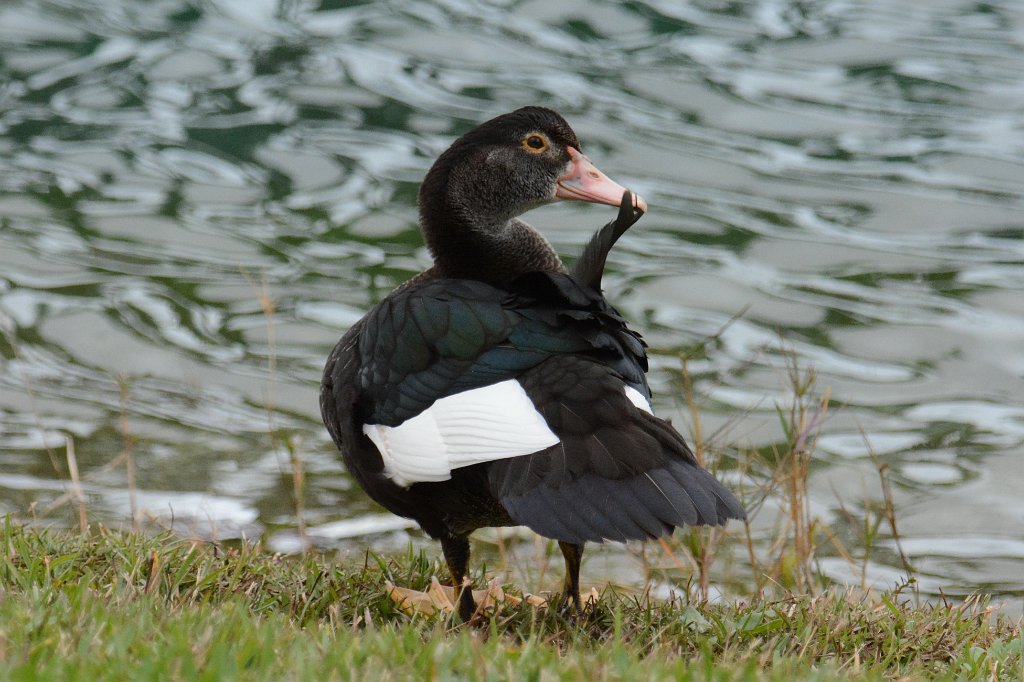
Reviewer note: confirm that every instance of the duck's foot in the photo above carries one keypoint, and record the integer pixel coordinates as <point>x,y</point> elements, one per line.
<point>569,608</point>
<point>440,598</point>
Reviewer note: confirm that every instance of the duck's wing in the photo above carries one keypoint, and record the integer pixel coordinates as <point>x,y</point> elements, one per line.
<point>436,369</point>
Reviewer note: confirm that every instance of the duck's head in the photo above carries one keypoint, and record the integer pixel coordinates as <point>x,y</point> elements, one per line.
<point>501,169</point>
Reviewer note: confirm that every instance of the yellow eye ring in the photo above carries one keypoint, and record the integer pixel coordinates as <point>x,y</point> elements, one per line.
<point>535,143</point>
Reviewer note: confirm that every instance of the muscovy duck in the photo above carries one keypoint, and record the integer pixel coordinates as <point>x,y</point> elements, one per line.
<point>496,388</point>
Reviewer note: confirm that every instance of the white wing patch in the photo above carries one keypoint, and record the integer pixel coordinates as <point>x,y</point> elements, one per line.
<point>638,399</point>
<point>482,425</point>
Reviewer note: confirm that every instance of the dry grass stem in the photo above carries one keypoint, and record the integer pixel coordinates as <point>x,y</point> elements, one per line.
<point>76,484</point>
<point>296,466</point>
<point>127,452</point>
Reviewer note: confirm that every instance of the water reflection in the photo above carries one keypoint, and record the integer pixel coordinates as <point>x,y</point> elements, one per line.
<point>196,199</point>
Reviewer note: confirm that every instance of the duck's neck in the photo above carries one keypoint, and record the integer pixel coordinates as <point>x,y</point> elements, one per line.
<point>496,254</point>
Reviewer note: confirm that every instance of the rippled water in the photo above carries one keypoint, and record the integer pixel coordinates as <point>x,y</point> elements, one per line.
<point>198,196</point>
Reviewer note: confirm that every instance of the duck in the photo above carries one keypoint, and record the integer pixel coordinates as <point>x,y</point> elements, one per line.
<point>500,388</point>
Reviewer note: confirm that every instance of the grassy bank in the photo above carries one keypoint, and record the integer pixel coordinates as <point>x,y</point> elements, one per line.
<point>130,606</point>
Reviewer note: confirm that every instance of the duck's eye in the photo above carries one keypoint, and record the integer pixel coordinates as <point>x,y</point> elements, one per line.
<point>535,143</point>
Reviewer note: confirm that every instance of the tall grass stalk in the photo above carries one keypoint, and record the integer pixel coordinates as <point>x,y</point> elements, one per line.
<point>128,453</point>
<point>281,441</point>
<point>76,482</point>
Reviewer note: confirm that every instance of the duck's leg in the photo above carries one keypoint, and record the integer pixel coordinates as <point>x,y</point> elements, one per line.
<point>456,554</point>
<point>571,591</point>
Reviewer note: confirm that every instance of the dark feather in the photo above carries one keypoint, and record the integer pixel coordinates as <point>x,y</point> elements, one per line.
<point>610,450</point>
<point>645,506</point>
<point>589,269</point>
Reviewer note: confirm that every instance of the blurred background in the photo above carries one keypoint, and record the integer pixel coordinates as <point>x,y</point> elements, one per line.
<point>197,197</point>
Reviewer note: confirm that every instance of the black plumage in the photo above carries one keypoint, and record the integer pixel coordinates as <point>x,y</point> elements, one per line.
<point>499,309</point>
